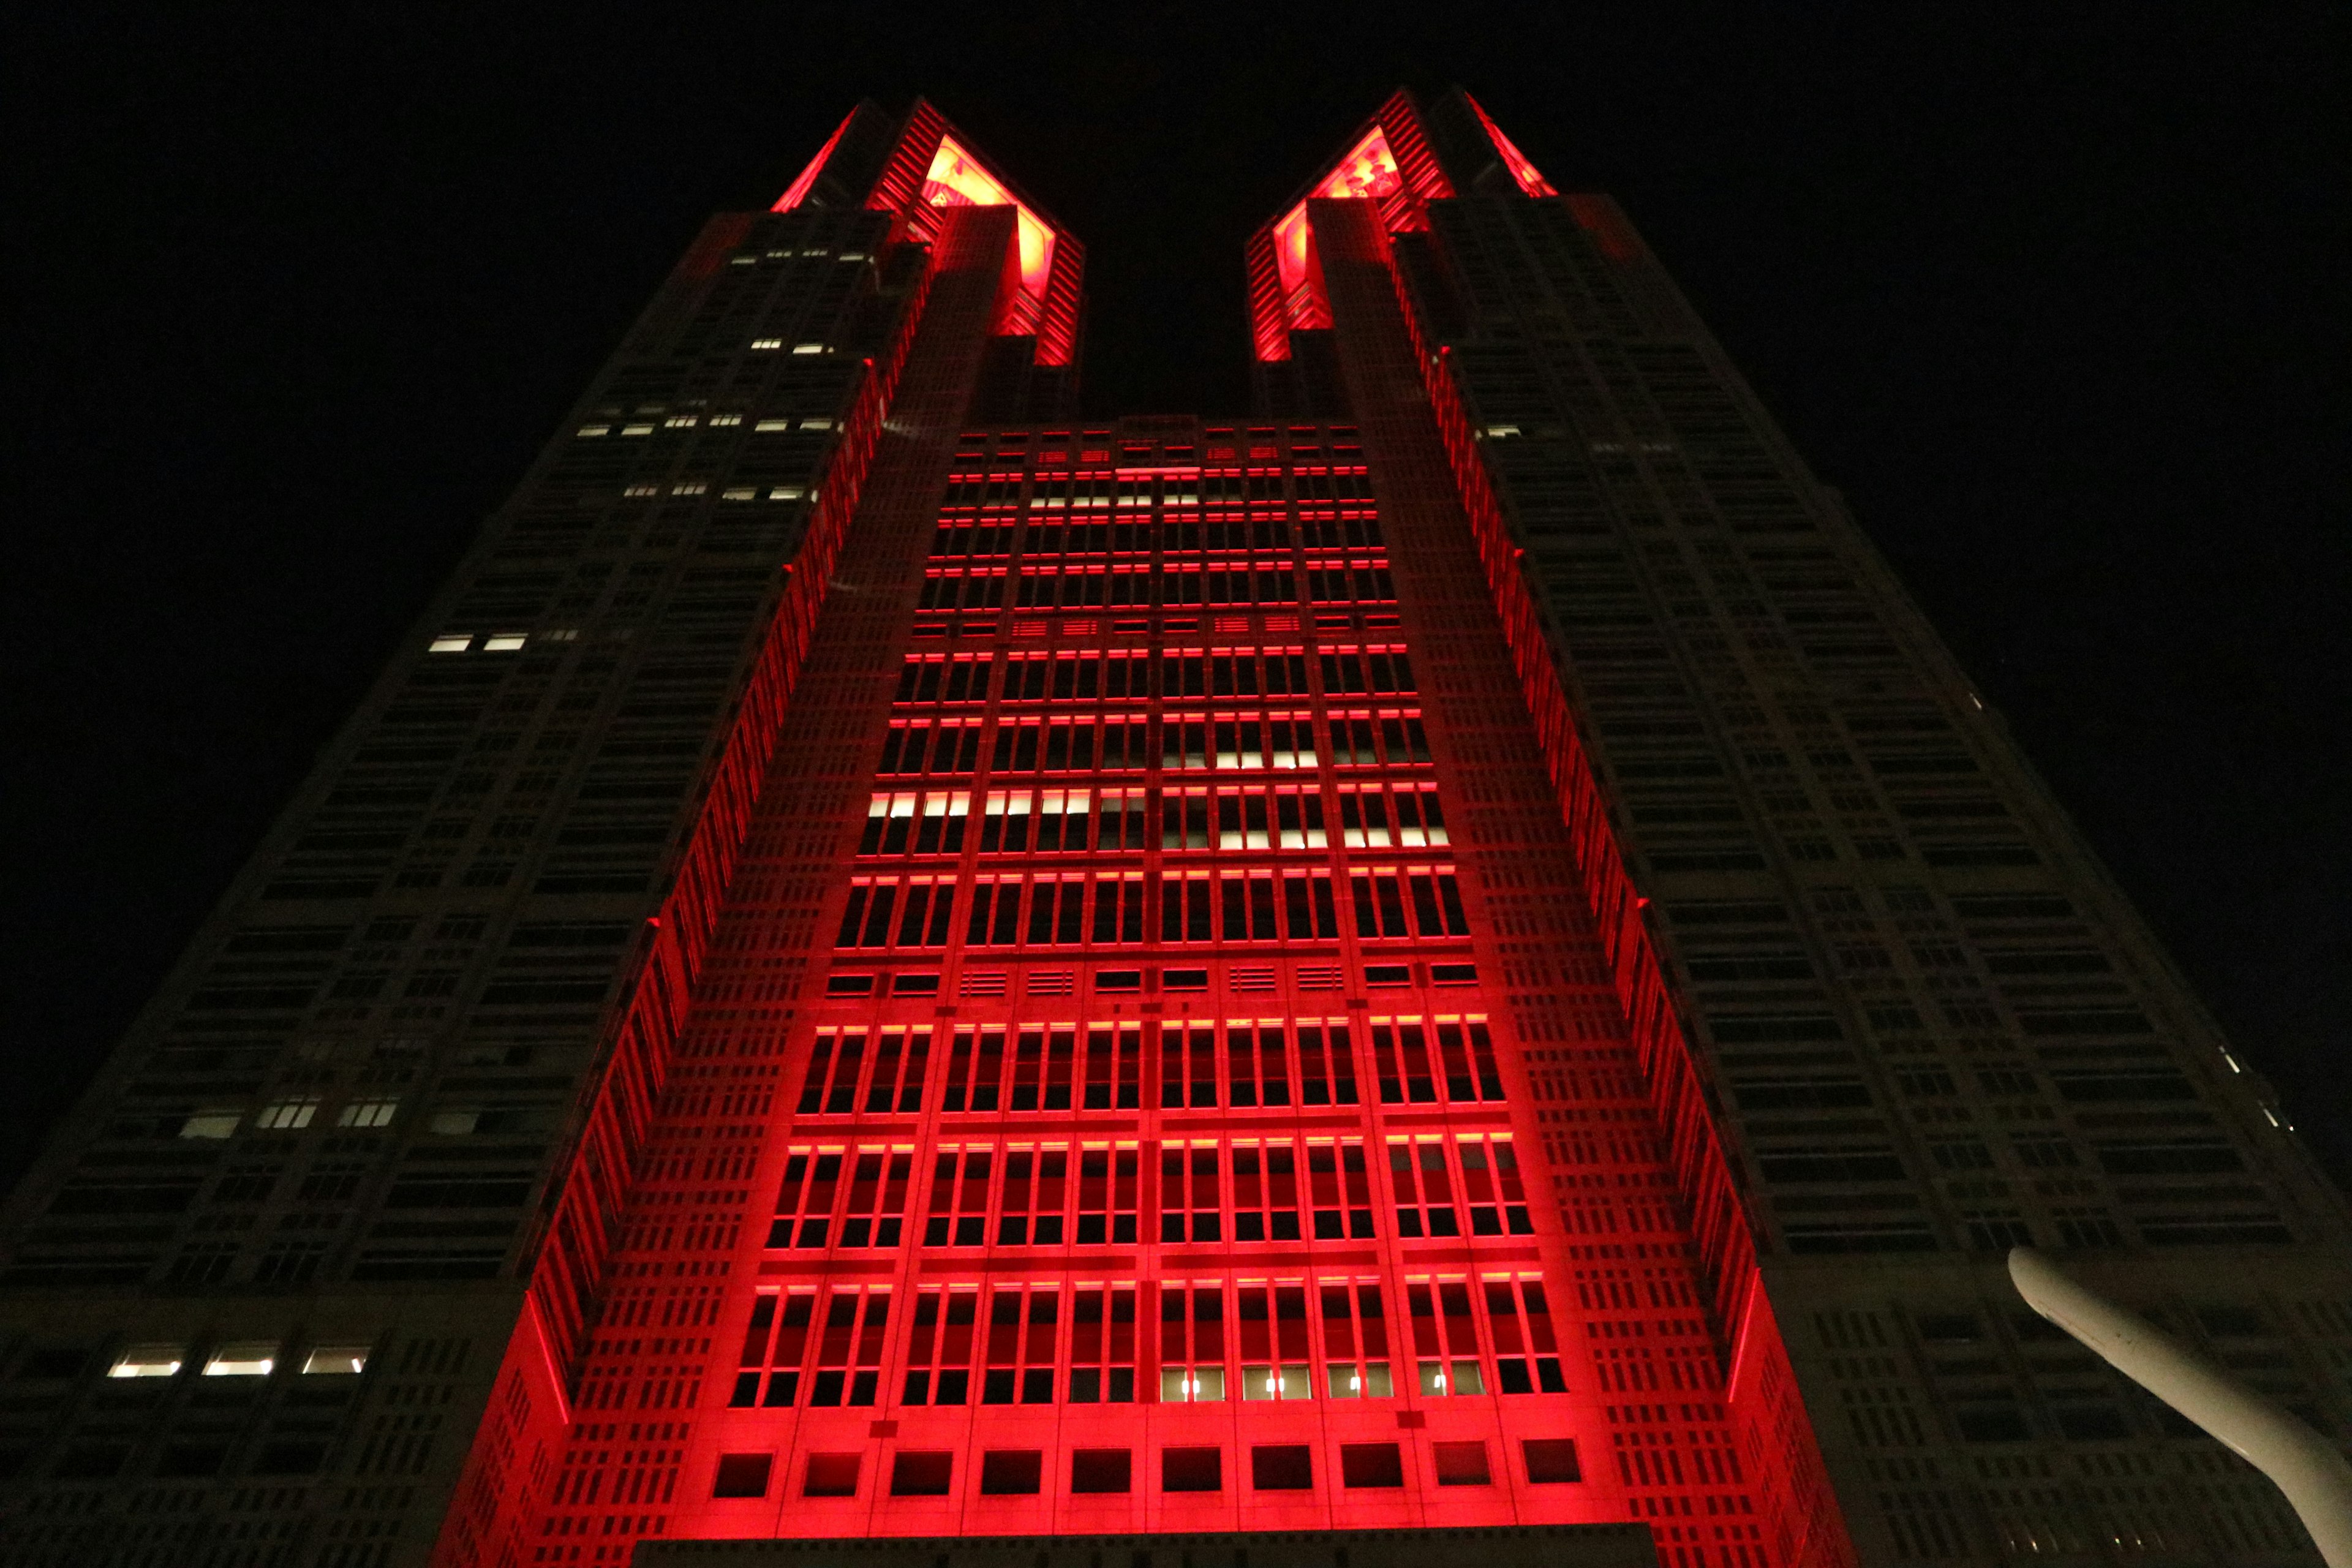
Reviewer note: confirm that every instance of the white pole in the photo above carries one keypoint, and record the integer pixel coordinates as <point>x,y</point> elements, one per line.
<point>2315,1476</point>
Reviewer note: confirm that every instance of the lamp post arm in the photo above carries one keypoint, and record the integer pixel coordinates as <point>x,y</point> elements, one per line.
<point>2316,1477</point>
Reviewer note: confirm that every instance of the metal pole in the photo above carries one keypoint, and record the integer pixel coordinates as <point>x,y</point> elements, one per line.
<point>2315,1477</point>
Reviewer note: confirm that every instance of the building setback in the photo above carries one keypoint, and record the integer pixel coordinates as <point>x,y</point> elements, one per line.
<point>891,960</point>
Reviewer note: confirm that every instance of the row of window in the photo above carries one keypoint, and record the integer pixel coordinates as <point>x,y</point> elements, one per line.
<point>1073,821</point>
<point>1247,1190</point>
<point>1140,587</point>
<point>1000,533</point>
<point>1051,1343</point>
<point>1381,668</point>
<point>241,1357</point>
<point>1097,490</point>
<point>1072,909</point>
<point>1274,1468</point>
<point>1238,1063</point>
<point>1117,742</point>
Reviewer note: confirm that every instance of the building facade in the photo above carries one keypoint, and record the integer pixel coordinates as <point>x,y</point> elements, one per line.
<point>894,961</point>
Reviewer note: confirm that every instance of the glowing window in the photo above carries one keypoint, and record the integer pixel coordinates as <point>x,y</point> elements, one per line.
<point>211,1124</point>
<point>759,344</point>
<point>502,642</point>
<point>456,642</point>
<point>368,1113</point>
<point>805,348</point>
<point>336,1361</point>
<point>246,1358</point>
<point>287,1115</point>
<point>147,1360</point>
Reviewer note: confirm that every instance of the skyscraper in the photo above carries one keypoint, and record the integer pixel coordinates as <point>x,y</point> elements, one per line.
<point>893,960</point>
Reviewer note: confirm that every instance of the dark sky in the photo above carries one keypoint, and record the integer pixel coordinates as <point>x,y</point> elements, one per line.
<point>2056,299</point>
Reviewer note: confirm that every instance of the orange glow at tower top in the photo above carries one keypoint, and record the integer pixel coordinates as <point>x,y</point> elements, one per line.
<point>956,179</point>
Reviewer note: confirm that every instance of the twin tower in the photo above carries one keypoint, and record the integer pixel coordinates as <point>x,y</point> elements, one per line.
<point>1445,969</point>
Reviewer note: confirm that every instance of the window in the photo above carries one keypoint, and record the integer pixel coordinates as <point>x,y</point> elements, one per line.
<point>1527,1349</point>
<point>1102,1344</point>
<point>1282,1468</point>
<point>1020,1343</point>
<point>830,1475</point>
<point>775,1348</point>
<point>1095,1470</point>
<point>283,1116</point>
<point>1430,894</point>
<point>335,1360</point>
<point>1373,1465</point>
<point>243,1358</point>
<point>1461,1464</point>
<point>920,1475</point>
<point>1550,1461</point>
<point>365,1113</point>
<point>940,1346</point>
<point>455,642</point>
<point>1445,1338</point>
<point>148,1361</point>
<point>1191,1470</point>
<point>1270,1333</point>
<point>835,1198</point>
<point>1193,1345</point>
<point>1464,1062</point>
<point>1010,1472</point>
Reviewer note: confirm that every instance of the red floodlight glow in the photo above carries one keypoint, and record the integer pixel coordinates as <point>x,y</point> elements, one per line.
<point>1529,177</point>
<point>797,192</point>
<point>956,180</point>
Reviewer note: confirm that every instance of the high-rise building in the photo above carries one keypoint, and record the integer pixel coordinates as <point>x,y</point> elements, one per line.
<point>891,960</point>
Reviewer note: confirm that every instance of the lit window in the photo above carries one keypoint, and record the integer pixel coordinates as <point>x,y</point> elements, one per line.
<point>742,262</point>
<point>287,1115</point>
<point>769,344</point>
<point>368,1113</point>
<point>146,1360</point>
<point>243,1358</point>
<point>636,429</point>
<point>808,348</point>
<point>785,492</point>
<point>853,256</point>
<point>689,487</point>
<point>816,423</point>
<point>717,419</point>
<point>338,1360</point>
<point>769,426</point>
<point>502,642</point>
<point>680,422</point>
<point>740,493</point>
<point>1502,430</point>
<point>210,1124</point>
<point>456,642</point>
<point>595,429</point>
<point>642,490</point>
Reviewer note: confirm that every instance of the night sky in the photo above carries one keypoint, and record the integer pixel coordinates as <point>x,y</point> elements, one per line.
<point>2057,301</point>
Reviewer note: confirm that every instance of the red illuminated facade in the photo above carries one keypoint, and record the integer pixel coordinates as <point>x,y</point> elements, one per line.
<point>895,962</point>
<point>1154,1072</point>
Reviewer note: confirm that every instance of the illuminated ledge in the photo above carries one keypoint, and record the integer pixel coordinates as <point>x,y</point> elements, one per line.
<point>1527,1546</point>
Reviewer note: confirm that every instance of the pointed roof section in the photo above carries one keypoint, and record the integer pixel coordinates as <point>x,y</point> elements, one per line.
<point>1403,158</point>
<point>917,166</point>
